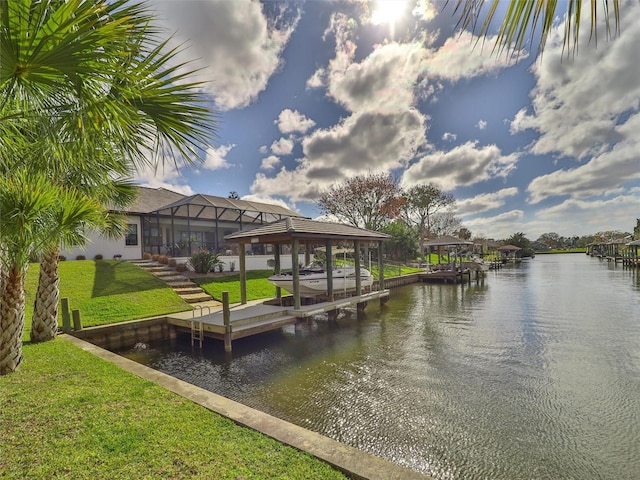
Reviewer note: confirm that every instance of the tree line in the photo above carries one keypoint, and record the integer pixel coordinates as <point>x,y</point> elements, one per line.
<point>376,201</point>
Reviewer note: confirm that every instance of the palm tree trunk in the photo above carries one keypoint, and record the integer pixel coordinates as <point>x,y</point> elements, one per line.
<point>44,326</point>
<point>12,320</point>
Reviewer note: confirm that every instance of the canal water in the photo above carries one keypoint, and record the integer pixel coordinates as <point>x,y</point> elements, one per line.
<point>533,374</point>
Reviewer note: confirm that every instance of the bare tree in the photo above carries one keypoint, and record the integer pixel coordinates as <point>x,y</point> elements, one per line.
<point>445,223</point>
<point>421,202</point>
<point>365,201</point>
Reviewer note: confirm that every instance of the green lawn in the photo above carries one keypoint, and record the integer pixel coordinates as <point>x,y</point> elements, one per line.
<point>68,414</point>
<point>562,250</point>
<point>108,291</point>
<point>257,285</point>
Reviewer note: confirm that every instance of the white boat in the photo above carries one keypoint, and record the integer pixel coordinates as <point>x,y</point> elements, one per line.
<point>313,279</point>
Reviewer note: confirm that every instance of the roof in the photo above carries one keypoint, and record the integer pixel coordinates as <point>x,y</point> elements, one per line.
<point>149,199</point>
<point>283,231</point>
<point>165,202</point>
<point>445,240</point>
<point>508,248</point>
<point>221,204</point>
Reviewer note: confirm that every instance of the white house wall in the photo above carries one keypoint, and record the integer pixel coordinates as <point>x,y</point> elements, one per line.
<point>108,248</point>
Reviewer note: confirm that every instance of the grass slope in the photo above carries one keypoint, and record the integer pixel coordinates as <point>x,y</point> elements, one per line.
<point>257,285</point>
<point>107,291</point>
<point>68,414</point>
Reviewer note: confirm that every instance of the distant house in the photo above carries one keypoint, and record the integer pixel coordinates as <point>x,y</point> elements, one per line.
<point>169,223</point>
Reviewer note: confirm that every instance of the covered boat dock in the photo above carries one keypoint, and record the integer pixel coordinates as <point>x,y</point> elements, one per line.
<point>293,231</point>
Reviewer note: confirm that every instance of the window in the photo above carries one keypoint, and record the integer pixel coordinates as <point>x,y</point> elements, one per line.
<point>131,234</point>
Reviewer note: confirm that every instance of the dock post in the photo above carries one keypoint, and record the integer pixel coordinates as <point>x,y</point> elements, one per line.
<point>243,275</point>
<point>66,316</point>
<point>226,316</point>
<point>77,323</point>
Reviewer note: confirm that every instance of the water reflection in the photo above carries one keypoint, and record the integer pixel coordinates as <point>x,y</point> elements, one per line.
<point>533,374</point>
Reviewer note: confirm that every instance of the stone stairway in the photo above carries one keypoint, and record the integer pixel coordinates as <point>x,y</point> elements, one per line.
<point>183,286</point>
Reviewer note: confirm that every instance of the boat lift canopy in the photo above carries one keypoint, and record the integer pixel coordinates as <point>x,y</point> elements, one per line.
<point>293,230</point>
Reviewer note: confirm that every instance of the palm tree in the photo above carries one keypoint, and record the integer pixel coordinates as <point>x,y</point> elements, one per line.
<point>83,84</point>
<point>27,204</point>
<point>522,17</point>
<point>74,219</point>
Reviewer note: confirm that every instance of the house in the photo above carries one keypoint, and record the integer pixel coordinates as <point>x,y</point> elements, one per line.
<point>169,223</point>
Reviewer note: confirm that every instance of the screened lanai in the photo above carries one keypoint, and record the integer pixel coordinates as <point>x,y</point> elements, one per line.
<point>189,224</point>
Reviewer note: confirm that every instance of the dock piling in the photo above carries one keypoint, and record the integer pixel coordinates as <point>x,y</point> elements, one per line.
<point>77,322</point>
<point>66,316</point>
<point>226,315</point>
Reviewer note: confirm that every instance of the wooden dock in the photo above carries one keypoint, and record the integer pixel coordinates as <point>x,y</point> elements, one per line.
<point>251,320</point>
<point>446,276</point>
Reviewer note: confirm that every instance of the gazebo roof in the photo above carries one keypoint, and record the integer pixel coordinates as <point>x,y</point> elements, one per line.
<point>283,231</point>
<point>508,248</point>
<point>446,240</point>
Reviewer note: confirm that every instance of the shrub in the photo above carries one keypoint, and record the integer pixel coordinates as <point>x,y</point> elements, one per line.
<point>204,261</point>
<point>98,257</point>
<point>81,257</point>
<point>146,256</point>
<point>163,259</point>
<point>173,262</point>
<point>154,257</point>
<point>62,258</point>
<point>232,266</point>
<point>181,267</point>
<point>220,266</point>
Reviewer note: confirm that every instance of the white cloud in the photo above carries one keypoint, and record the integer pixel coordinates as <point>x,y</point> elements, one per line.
<point>384,81</point>
<point>579,103</point>
<point>385,131</point>
<point>269,163</point>
<point>584,217</point>
<point>463,165</point>
<point>604,174</point>
<point>449,137</point>
<point>482,124</point>
<point>283,146</point>
<point>463,56</point>
<point>293,121</point>
<point>484,201</point>
<point>499,226</point>
<point>368,141</point>
<point>238,46</point>
<point>267,199</point>
<point>165,176</point>
<point>216,157</point>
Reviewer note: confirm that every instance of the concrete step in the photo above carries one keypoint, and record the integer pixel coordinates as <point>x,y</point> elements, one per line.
<point>145,263</point>
<point>177,281</point>
<point>165,272</point>
<point>158,268</point>
<point>187,290</point>
<point>196,297</point>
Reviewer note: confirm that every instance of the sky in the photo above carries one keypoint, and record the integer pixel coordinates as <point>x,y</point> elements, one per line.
<point>309,93</point>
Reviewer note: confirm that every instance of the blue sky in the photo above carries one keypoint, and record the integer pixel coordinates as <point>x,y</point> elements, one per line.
<point>311,93</point>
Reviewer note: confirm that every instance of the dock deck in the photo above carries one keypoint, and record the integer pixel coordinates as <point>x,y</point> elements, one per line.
<point>254,319</point>
<point>446,276</point>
